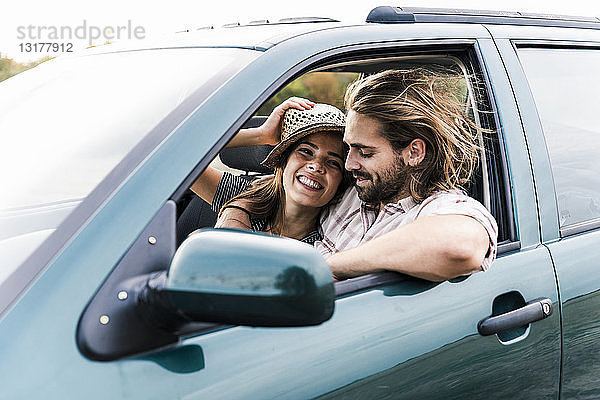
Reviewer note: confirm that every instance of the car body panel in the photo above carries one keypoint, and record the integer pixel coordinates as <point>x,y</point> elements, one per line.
<point>462,363</point>
<point>575,256</point>
<point>525,210</point>
<point>374,338</point>
<point>543,33</point>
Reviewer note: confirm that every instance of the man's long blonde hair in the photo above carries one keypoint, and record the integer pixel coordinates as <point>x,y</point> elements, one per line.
<point>420,103</point>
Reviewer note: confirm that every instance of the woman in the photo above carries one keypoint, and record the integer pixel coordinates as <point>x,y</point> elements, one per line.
<point>308,166</point>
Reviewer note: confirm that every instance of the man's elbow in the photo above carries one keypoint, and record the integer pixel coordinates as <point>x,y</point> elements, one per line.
<point>465,257</point>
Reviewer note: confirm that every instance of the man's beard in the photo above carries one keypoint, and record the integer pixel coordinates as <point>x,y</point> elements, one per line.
<point>386,185</point>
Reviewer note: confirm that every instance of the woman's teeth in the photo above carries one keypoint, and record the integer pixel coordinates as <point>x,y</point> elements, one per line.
<point>309,182</point>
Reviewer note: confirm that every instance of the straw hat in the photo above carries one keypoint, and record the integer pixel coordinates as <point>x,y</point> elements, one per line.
<point>298,124</point>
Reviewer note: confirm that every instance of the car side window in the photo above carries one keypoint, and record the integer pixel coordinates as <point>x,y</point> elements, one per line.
<point>245,162</point>
<point>327,83</point>
<point>565,86</point>
<point>321,87</point>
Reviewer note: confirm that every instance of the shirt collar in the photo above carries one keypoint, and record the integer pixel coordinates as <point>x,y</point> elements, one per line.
<point>407,203</point>
<point>404,204</point>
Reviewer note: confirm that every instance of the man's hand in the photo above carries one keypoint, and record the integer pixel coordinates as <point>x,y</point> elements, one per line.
<point>436,248</point>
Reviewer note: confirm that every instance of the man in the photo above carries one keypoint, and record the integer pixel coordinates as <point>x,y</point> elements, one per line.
<point>411,150</point>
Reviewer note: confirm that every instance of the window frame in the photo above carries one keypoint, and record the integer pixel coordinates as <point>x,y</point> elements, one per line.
<point>467,51</point>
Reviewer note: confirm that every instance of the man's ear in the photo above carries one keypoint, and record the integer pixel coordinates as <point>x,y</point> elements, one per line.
<point>415,152</point>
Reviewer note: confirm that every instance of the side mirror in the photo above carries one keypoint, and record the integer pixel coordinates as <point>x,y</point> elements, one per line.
<point>217,276</point>
<point>242,278</point>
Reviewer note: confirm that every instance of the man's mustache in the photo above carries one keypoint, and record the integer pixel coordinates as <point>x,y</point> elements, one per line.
<point>362,175</point>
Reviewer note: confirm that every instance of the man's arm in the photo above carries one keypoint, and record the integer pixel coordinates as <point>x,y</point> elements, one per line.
<point>436,248</point>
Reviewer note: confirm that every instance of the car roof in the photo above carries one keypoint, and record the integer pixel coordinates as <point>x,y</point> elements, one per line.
<point>262,35</point>
<point>255,36</point>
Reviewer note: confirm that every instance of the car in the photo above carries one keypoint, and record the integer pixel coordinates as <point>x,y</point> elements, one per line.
<point>109,290</point>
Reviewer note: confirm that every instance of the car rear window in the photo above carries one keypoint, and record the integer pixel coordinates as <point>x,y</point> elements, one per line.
<point>565,86</point>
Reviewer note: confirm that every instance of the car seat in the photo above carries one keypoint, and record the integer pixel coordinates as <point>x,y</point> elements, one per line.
<point>195,212</point>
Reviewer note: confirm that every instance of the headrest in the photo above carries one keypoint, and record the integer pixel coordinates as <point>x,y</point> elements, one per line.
<point>248,158</point>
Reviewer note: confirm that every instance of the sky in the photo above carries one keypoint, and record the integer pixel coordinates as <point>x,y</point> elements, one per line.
<point>167,17</point>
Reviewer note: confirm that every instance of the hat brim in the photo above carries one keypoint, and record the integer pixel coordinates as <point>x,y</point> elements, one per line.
<point>273,159</point>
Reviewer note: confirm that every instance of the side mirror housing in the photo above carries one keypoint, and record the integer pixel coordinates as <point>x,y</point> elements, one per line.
<point>158,294</point>
<point>243,278</point>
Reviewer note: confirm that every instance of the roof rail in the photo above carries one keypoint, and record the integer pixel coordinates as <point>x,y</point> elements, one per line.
<point>306,19</point>
<point>297,20</point>
<point>392,15</point>
<point>259,22</point>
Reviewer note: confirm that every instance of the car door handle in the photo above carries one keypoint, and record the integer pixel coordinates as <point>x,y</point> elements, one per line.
<point>533,311</point>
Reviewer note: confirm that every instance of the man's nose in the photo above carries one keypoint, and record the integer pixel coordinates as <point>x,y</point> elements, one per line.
<point>351,164</point>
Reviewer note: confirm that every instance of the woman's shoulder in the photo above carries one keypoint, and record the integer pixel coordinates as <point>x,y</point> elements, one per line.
<point>229,186</point>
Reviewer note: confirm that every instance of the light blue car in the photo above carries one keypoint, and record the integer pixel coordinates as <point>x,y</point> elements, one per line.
<point>106,294</point>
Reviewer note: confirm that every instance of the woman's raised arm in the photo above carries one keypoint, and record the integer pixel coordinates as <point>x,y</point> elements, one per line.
<point>268,133</point>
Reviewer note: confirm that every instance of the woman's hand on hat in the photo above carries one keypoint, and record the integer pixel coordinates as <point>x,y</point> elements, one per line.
<point>270,130</point>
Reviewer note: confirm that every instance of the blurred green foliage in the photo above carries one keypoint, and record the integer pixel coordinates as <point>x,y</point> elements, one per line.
<point>320,87</point>
<point>9,67</point>
<point>330,87</point>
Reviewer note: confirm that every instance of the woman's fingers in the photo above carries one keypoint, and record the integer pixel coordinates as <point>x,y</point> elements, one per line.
<point>270,129</point>
<point>295,102</point>
<point>304,103</point>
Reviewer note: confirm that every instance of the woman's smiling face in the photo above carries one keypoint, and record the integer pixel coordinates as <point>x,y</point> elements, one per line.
<point>314,170</point>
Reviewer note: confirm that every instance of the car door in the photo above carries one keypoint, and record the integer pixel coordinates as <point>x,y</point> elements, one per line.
<point>556,71</point>
<point>390,336</point>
